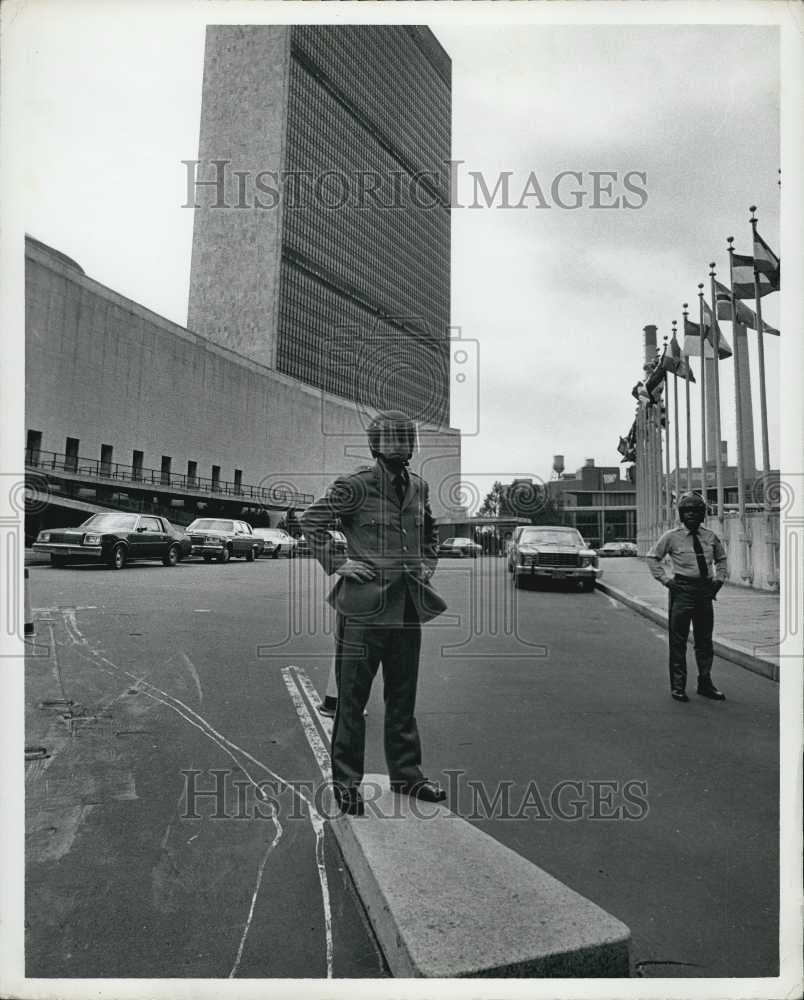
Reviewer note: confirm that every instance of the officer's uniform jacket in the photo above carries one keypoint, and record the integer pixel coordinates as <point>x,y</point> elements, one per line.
<point>399,542</point>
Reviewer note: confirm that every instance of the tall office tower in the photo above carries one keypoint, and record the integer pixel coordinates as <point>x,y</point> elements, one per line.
<point>321,244</point>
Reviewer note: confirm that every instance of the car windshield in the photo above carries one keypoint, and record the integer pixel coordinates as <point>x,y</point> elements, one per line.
<point>111,522</point>
<point>568,537</point>
<point>211,524</point>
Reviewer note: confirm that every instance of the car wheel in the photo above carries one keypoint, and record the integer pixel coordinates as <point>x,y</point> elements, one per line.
<point>225,556</point>
<point>171,557</point>
<point>251,555</point>
<point>58,561</point>
<point>117,560</point>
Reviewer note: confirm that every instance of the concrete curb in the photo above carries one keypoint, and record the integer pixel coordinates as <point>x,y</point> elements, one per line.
<point>743,656</point>
<point>446,900</point>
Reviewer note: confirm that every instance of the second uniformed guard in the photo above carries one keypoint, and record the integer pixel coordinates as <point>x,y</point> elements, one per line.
<point>691,550</point>
<point>381,599</point>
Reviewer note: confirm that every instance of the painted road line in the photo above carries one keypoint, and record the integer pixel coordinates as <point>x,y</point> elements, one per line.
<point>260,870</point>
<point>316,744</point>
<point>325,722</point>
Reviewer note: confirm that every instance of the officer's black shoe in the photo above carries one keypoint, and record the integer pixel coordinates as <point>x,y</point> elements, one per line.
<point>350,801</point>
<point>678,696</point>
<point>424,789</point>
<point>710,691</point>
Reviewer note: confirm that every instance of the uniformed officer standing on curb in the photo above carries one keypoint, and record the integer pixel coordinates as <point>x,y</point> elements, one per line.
<point>381,599</point>
<point>691,549</point>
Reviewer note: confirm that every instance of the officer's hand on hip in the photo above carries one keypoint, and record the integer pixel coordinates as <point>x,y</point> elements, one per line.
<point>716,585</point>
<point>354,570</point>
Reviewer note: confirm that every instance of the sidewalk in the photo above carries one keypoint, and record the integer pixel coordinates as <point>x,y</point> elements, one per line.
<point>746,620</point>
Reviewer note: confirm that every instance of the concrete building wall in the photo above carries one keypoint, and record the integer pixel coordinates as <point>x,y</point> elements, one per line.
<point>234,277</point>
<point>106,370</point>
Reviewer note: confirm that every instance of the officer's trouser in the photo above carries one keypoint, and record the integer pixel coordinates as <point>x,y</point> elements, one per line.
<point>691,603</point>
<point>359,650</point>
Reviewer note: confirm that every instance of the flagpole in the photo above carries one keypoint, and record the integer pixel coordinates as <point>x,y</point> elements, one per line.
<point>689,429</point>
<point>738,410</point>
<point>675,425</point>
<point>716,353</point>
<point>667,499</point>
<point>763,404</point>
<point>701,331</point>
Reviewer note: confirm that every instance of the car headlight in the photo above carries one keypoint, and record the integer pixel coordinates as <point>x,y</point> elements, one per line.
<point>211,540</point>
<point>92,539</point>
<point>588,560</point>
<point>44,536</point>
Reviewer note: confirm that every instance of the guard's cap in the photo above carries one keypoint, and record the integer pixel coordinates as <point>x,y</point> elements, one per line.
<point>691,500</point>
<point>392,432</point>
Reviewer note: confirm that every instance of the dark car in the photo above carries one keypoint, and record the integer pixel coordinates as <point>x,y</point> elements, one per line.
<point>547,552</point>
<point>461,548</point>
<point>115,538</point>
<point>223,538</point>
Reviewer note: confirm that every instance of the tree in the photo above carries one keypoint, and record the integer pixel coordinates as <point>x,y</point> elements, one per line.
<point>522,498</point>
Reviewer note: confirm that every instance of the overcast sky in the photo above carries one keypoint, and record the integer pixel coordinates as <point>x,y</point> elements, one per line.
<point>556,298</point>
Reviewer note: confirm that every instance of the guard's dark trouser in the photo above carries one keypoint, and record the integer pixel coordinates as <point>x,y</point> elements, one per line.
<point>359,650</point>
<point>690,603</point>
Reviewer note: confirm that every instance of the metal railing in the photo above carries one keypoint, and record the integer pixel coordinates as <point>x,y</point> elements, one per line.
<point>93,468</point>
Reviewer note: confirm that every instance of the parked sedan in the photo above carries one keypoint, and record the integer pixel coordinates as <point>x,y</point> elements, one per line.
<point>115,539</point>
<point>554,553</point>
<point>615,549</point>
<point>222,538</point>
<point>276,542</point>
<point>338,543</point>
<point>461,548</point>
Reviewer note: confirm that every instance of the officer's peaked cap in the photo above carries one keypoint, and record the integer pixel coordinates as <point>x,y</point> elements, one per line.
<point>393,422</point>
<point>689,500</point>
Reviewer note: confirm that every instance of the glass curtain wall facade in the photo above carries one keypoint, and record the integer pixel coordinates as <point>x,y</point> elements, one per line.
<point>364,287</point>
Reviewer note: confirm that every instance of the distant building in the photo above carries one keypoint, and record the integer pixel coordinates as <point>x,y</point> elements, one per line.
<point>597,502</point>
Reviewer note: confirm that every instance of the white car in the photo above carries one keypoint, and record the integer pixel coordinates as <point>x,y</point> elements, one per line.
<point>276,542</point>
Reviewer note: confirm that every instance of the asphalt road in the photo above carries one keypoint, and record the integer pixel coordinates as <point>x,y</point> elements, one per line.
<point>545,712</point>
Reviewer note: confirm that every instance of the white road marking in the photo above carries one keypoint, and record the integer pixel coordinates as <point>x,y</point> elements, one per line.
<point>202,611</point>
<point>260,870</point>
<point>225,744</point>
<point>188,663</point>
<point>614,603</point>
<point>321,755</point>
<point>315,700</point>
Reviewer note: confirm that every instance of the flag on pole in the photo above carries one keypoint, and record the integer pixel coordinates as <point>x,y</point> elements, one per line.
<point>682,368</point>
<point>743,278</point>
<point>710,323</point>
<point>692,341</point>
<point>765,260</point>
<point>745,315</point>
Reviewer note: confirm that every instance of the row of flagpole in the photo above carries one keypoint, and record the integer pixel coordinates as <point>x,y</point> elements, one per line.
<point>754,276</point>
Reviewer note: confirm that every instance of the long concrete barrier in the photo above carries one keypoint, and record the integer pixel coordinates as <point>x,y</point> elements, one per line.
<point>446,900</point>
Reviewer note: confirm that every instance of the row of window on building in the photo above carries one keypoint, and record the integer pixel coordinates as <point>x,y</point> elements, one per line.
<point>71,461</point>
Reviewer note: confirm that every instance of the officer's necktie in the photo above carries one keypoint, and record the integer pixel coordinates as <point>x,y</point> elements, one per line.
<point>401,487</point>
<point>703,569</point>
